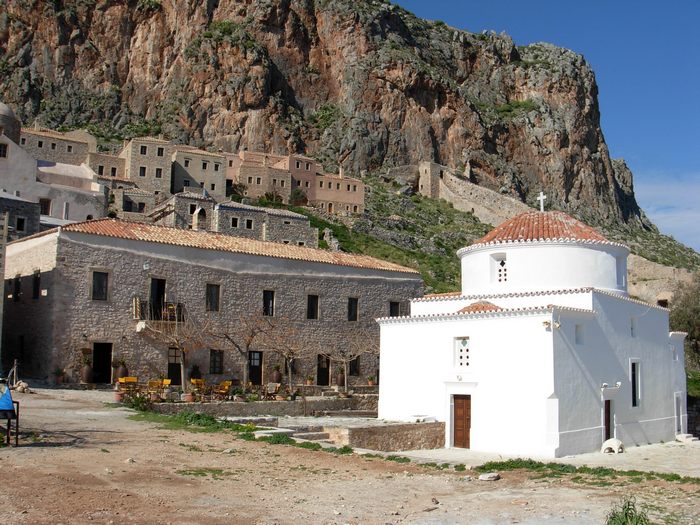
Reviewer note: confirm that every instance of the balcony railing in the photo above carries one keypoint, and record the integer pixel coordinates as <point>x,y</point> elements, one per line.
<point>165,311</point>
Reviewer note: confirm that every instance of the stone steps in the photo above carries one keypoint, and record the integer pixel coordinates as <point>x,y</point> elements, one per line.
<point>686,438</point>
<point>274,431</point>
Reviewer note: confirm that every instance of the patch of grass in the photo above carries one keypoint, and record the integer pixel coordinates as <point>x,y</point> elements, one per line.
<point>215,473</point>
<point>278,439</point>
<point>192,422</point>
<point>460,467</point>
<point>104,450</point>
<point>625,512</point>
<point>398,459</point>
<point>515,107</point>
<point>246,436</point>
<point>344,450</point>
<point>693,383</point>
<point>325,116</point>
<point>557,469</point>
<point>190,448</point>
<point>309,445</point>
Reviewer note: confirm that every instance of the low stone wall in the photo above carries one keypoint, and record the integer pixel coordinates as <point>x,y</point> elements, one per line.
<point>391,438</point>
<point>271,408</point>
<point>694,416</point>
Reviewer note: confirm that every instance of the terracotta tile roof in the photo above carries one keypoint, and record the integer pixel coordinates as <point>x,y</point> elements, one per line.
<point>183,148</point>
<point>541,226</point>
<point>151,139</point>
<point>226,243</point>
<point>480,306</point>
<point>233,205</point>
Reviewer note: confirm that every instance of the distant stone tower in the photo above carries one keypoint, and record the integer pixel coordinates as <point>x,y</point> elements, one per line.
<point>9,123</point>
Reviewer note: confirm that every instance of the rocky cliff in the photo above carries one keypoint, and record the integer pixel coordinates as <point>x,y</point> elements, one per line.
<point>360,82</point>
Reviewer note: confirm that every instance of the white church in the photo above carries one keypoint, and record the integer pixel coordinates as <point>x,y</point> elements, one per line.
<point>543,353</point>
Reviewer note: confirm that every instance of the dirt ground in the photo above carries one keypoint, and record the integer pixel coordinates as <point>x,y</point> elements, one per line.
<point>81,461</point>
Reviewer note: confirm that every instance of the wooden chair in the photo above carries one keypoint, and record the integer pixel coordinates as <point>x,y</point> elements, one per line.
<point>271,390</point>
<point>130,385</point>
<point>200,389</point>
<point>221,391</point>
<point>155,387</point>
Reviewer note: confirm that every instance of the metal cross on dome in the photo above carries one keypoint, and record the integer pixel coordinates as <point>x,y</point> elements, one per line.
<point>542,197</point>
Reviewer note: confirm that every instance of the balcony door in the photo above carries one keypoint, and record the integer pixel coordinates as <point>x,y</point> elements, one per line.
<point>157,298</point>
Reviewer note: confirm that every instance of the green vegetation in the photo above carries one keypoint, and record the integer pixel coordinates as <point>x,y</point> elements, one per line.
<point>148,5</point>
<point>398,459</point>
<point>277,439</point>
<point>626,513</point>
<point>192,422</point>
<point>223,32</point>
<point>693,383</point>
<point>685,317</point>
<point>558,469</point>
<point>215,473</point>
<point>325,116</point>
<point>515,108</point>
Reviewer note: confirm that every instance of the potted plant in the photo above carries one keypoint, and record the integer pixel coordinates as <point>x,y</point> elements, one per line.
<point>121,369</point>
<point>59,374</point>
<point>119,396</point>
<point>276,375</point>
<point>371,380</point>
<point>340,377</point>
<point>86,374</point>
<point>309,380</point>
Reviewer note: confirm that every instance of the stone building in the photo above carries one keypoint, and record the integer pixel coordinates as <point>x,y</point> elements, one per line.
<point>194,168</point>
<point>22,215</point>
<point>147,162</point>
<point>101,287</point>
<point>4,230</point>
<point>52,146</point>
<point>201,212</point>
<point>105,165</point>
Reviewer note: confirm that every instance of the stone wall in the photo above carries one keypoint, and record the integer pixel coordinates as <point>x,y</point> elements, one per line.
<point>54,148</point>
<point>27,212</point>
<point>260,180</point>
<point>55,333</point>
<point>194,169</point>
<point>151,161</point>
<point>391,438</point>
<point>106,165</point>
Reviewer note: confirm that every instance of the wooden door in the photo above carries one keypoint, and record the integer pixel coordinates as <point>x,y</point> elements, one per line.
<point>323,375</point>
<point>255,367</point>
<point>462,420</point>
<point>174,366</point>
<point>608,420</point>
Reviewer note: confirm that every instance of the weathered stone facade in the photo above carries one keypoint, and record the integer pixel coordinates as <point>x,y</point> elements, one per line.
<point>147,162</point>
<point>194,168</point>
<point>64,322</point>
<point>391,438</point>
<point>54,147</point>
<point>200,212</point>
<point>106,165</point>
<point>23,215</point>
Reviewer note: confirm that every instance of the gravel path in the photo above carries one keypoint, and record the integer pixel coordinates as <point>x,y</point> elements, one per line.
<point>81,461</point>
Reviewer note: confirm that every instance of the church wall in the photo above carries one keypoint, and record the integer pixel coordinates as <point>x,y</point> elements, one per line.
<point>509,378</point>
<point>604,357</point>
<point>550,266</point>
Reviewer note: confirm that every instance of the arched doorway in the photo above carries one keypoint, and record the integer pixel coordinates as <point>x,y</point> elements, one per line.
<point>199,219</point>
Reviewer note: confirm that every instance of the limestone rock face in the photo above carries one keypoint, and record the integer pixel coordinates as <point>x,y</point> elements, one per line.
<point>363,82</point>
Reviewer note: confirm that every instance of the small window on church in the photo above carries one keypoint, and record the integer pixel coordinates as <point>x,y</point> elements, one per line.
<point>674,352</point>
<point>578,334</point>
<point>499,268</point>
<point>633,327</point>
<point>461,352</point>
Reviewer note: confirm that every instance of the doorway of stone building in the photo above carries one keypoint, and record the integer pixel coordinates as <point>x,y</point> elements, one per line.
<point>157,298</point>
<point>608,420</point>
<point>678,407</point>
<point>102,362</point>
<point>174,366</point>
<point>323,367</point>
<point>255,367</point>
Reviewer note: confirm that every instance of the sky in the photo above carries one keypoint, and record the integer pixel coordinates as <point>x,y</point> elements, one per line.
<point>646,58</point>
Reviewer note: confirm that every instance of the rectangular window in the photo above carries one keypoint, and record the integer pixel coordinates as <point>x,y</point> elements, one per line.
<point>320,184</point>
<point>352,309</point>
<point>159,173</point>
<point>635,380</point>
<point>312,306</point>
<point>298,164</point>
<point>234,222</point>
<point>213,187</point>
<point>230,164</point>
<point>337,185</point>
<point>633,327</point>
<point>216,166</point>
<point>142,207</point>
<point>69,148</point>
<point>394,309</point>
<point>187,163</point>
<point>36,285</point>
<point>216,361</point>
<point>204,165</point>
<point>186,183</point>
<point>40,143</point>
<point>258,180</point>
<point>3,151</point>
<point>100,281</point>
<point>20,224</point>
<point>160,152</point>
<point>53,145</point>
<point>249,224</point>
<point>142,171</point>
<point>308,166</point>
<point>17,289</point>
<point>144,150</point>
<point>193,208</point>
<point>268,303</point>
<point>578,334</point>
<point>213,292</point>
<point>348,187</point>
<point>354,367</point>
<point>306,184</point>
<point>100,170</point>
<point>66,208</point>
<point>250,180</point>
<point>274,182</point>
<point>461,352</point>
<point>113,171</point>
<point>45,206</point>
<point>301,243</point>
<point>282,183</point>
<point>23,141</point>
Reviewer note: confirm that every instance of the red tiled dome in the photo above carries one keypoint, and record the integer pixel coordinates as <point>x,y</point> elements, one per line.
<point>541,226</point>
<point>480,306</point>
